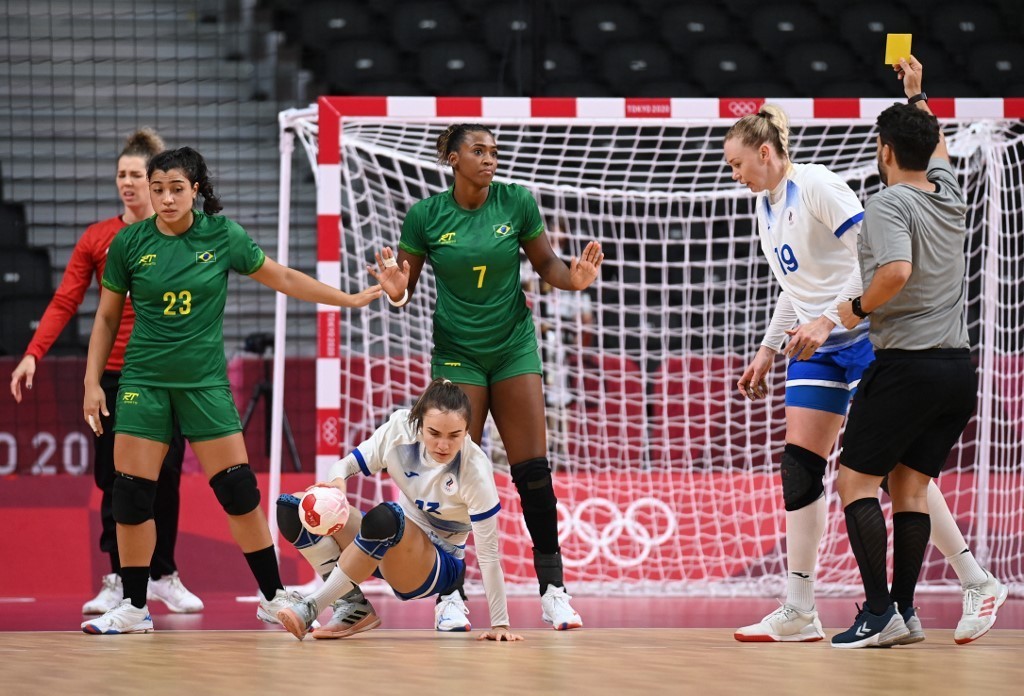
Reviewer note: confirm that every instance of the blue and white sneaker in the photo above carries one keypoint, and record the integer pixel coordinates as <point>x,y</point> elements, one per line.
<point>916,634</point>
<point>873,631</point>
<point>124,618</point>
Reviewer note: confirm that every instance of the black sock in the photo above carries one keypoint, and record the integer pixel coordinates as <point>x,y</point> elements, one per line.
<point>866,527</point>
<point>263,564</point>
<point>136,582</point>
<point>910,532</point>
<point>549,569</point>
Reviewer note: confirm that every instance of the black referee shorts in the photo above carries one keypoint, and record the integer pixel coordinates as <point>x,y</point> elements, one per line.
<point>910,408</point>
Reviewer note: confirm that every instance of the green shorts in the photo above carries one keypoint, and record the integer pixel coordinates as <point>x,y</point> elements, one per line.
<point>149,412</point>
<point>484,370</point>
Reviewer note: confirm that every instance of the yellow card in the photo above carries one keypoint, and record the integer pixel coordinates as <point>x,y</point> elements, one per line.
<point>896,46</point>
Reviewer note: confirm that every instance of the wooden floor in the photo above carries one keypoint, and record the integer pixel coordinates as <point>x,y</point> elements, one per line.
<point>596,661</point>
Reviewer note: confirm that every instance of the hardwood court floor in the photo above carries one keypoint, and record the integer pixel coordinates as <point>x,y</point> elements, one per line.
<point>401,661</point>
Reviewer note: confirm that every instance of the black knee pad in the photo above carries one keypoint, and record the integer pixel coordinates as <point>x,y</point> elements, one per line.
<point>803,472</point>
<point>381,528</point>
<point>533,481</point>
<point>288,517</point>
<point>236,490</point>
<point>133,499</point>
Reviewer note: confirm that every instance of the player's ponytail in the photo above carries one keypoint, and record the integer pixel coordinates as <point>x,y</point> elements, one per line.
<point>452,137</point>
<point>445,396</point>
<point>192,164</point>
<point>769,125</point>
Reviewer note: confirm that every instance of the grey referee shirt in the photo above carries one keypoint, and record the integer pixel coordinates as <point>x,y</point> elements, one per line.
<point>904,223</point>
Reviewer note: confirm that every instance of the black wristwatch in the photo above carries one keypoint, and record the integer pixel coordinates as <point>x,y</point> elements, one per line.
<point>917,97</point>
<point>855,306</point>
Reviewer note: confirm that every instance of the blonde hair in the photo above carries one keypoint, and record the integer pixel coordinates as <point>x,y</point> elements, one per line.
<point>769,125</point>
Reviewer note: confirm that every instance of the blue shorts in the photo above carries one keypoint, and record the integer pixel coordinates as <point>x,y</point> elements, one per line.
<point>827,381</point>
<point>446,575</point>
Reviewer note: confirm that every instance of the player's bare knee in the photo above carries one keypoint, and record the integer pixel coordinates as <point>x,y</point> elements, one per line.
<point>803,474</point>
<point>133,499</point>
<point>381,528</point>
<point>533,481</point>
<point>236,489</point>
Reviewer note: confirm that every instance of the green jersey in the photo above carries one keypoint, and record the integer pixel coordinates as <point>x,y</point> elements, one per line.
<point>178,285</point>
<point>480,307</point>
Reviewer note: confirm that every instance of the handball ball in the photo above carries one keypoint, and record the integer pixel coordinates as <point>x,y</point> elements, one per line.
<point>323,510</point>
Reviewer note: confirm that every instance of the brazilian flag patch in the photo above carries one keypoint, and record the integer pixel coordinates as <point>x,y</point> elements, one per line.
<point>503,230</point>
<point>206,256</point>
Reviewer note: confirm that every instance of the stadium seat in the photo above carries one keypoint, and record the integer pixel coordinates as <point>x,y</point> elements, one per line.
<point>505,26</point>
<point>816,64</point>
<point>328,21</point>
<point>493,87</point>
<point>561,63</point>
<point>420,23</point>
<point>864,26</point>
<point>720,65</point>
<point>595,26</point>
<point>444,63</point>
<point>963,24</point>
<point>576,88</point>
<point>758,88</point>
<point>776,26</point>
<point>25,271</point>
<point>12,226</point>
<point>19,319</point>
<point>684,26</point>
<point>348,65</point>
<point>952,88</point>
<point>628,64</point>
<point>392,88</point>
<point>996,66</point>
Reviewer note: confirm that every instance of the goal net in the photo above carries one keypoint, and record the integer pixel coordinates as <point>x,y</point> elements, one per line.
<point>666,478</point>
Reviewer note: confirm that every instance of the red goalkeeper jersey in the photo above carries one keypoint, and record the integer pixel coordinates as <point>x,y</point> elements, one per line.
<point>87,262</point>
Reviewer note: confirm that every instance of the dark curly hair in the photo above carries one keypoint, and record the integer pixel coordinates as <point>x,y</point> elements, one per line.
<point>912,133</point>
<point>193,166</point>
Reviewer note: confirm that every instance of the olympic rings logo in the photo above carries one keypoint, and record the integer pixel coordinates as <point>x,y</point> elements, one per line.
<point>329,431</point>
<point>742,107</point>
<point>582,525</point>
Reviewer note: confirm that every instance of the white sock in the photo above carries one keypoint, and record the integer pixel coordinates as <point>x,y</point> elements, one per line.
<point>804,529</point>
<point>950,541</point>
<point>337,584</point>
<point>322,555</point>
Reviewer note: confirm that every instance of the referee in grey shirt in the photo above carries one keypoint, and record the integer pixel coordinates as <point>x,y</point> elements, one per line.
<point>913,402</point>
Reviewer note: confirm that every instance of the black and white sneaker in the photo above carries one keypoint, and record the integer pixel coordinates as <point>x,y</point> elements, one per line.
<point>873,631</point>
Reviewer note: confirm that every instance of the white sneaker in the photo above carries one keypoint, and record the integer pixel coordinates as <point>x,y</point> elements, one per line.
<point>298,617</point>
<point>111,594</point>
<point>451,614</point>
<point>267,610</point>
<point>353,614</point>
<point>787,624</point>
<point>981,602</point>
<point>176,596</point>
<point>124,618</point>
<point>557,611</point>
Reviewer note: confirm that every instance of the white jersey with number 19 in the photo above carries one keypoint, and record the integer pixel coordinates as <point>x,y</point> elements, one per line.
<point>809,236</point>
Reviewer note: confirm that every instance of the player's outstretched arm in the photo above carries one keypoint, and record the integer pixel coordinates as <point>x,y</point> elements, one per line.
<point>911,72</point>
<point>302,287</point>
<point>104,331</point>
<point>578,274</point>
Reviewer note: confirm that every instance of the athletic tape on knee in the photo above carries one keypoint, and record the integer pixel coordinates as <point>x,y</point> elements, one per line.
<point>382,528</point>
<point>533,481</point>
<point>236,489</point>
<point>802,472</point>
<point>132,499</point>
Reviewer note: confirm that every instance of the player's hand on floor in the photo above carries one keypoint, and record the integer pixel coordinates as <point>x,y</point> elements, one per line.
<point>500,635</point>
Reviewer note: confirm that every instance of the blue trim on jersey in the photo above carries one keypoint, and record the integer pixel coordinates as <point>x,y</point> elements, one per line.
<point>362,462</point>
<point>849,223</point>
<point>484,515</point>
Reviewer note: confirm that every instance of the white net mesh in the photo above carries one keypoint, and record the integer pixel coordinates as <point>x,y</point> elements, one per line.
<point>665,476</point>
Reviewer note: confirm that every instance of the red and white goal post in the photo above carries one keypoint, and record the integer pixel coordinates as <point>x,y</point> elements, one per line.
<point>666,478</point>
